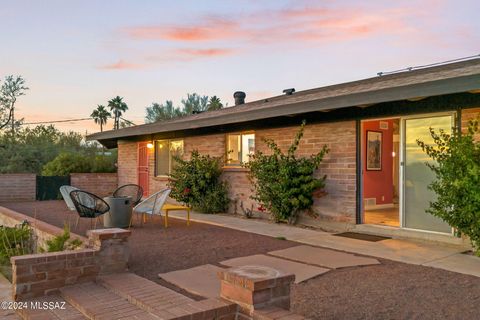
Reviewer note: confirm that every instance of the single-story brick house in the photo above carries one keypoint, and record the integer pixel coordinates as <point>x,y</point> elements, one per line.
<point>375,170</point>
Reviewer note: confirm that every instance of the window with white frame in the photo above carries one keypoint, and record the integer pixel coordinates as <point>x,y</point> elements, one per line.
<point>239,147</point>
<point>165,152</point>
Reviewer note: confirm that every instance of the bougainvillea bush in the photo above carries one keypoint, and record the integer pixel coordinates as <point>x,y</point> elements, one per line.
<point>284,184</point>
<point>457,184</point>
<point>196,182</point>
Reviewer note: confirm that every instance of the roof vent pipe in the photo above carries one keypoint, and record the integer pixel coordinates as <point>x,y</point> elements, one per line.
<point>289,92</point>
<point>239,97</point>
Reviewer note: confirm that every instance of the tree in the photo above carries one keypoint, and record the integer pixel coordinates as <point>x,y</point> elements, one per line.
<point>214,104</point>
<point>66,163</point>
<point>194,103</point>
<point>117,106</point>
<point>34,147</point>
<point>12,88</point>
<point>457,183</point>
<point>100,116</point>
<point>160,112</point>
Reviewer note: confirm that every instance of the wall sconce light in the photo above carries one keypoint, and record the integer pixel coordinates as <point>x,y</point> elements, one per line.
<point>150,145</point>
<point>393,154</point>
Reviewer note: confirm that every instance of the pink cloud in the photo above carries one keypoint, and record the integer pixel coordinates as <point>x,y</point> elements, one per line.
<point>310,23</point>
<point>205,52</point>
<point>120,65</point>
<point>211,29</point>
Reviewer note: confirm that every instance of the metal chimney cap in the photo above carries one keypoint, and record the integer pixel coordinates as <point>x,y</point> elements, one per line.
<point>289,91</point>
<point>239,94</point>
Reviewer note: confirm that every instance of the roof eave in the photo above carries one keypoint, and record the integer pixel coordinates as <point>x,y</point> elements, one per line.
<point>425,89</point>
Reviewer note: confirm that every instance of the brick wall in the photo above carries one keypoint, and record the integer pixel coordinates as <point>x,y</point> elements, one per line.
<point>101,184</point>
<point>127,162</point>
<point>467,115</point>
<point>18,187</point>
<point>339,165</point>
<point>36,275</point>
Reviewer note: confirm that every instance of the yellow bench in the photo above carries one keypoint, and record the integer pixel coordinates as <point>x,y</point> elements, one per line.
<point>167,207</point>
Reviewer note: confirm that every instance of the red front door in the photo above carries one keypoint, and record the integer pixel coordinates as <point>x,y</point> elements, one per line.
<point>142,168</point>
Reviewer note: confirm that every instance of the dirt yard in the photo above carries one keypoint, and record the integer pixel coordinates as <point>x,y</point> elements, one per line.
<point>390,290</point>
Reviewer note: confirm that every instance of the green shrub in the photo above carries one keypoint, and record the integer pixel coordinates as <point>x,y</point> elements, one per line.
<point>15,241</point>
<point>62,242</point>
<point>196,182</point>
<point>457,184</point>
<point>66,163</point>
<point>104,163</point>
<point>283,183</point>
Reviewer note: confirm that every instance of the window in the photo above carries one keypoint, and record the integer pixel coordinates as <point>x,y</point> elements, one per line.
<point>165,151</point>
<point>239,147</point>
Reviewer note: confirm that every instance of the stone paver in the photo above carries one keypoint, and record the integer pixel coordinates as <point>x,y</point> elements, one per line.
<point>201,280</point>
<point>440,256</point>
<point>323,257</point>
<point>301,271</point>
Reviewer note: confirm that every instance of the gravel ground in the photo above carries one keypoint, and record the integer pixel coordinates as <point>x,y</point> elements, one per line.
<point>390,290</point>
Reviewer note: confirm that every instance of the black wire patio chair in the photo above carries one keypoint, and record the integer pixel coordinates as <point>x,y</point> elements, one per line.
<point>130,190</point>
<point>88,205</point>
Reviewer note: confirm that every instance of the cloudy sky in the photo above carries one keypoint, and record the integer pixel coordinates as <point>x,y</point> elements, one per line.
<point>77,54</point>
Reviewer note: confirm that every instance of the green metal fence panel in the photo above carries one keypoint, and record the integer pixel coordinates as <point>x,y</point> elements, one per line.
<point>48,187</point>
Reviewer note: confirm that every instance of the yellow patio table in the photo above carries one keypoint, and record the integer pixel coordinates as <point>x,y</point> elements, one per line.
<point>174,207</point>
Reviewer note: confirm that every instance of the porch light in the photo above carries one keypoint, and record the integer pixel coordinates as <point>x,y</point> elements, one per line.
<point>150,145</point>
<point>393,154</point>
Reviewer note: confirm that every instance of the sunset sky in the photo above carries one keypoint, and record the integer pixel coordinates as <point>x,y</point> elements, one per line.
<point>77,54</point>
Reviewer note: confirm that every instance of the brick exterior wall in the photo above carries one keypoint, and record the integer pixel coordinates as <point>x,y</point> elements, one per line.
<point>467,115</point>
<point>101,184</point>
<point>127,162</point>
<point>18,187</point>
<point>36,275</point>
<point>339,165</point>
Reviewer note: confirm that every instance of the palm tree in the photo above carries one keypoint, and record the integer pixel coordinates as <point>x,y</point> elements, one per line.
<point>214,104</point>
<point>100,116</point>
<point>117,106</point>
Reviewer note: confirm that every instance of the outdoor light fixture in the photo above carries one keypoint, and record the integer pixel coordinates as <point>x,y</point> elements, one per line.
<point>393,154</point>
<point>150,145</point>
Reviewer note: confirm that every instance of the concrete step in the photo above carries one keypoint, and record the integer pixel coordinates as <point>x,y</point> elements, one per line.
<point>163,302</point>
<point>49,307</point>
<point>96,302</point>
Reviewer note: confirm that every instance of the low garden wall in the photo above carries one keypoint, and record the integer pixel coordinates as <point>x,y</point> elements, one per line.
<point>36,275</point>
<point>17,187</point>
<point>42,230</point>
<point>101,184</point>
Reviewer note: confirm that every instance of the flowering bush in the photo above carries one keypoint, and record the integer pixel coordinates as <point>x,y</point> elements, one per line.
<point>283,184</point>
<point>196,182</point>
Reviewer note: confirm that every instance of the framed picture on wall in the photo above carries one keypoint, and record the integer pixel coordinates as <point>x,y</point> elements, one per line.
<point>374,151</point>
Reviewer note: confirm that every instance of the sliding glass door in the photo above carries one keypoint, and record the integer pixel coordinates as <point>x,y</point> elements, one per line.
<point>416,175</point>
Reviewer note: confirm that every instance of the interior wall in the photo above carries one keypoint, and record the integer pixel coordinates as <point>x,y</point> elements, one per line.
<point>379,184</point>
